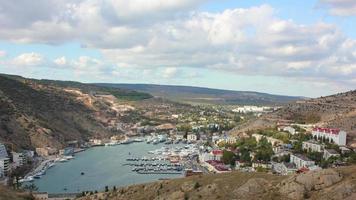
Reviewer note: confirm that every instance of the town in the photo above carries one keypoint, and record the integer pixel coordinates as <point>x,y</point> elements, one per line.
<point>206,145</point>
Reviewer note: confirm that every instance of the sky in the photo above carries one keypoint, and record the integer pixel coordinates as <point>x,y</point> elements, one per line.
<point>300,48</point>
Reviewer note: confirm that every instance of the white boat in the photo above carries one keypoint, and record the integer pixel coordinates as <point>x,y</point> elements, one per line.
<point>27,179</point>
<point>63,160</point>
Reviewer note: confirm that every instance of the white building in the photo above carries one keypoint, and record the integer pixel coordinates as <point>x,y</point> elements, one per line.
<point>330,153</point>
<point>179,136</point>
<point>4,166</point>
<point>290,130</point>
<point>333,135</point>
<point>192,137</point>
<point>251,109</point>
<point>312,146</point>
<point>18,159</point>
<point>271,140</point>
<point>3,152</point>
<point>284,168</point>
<point>301,161</point>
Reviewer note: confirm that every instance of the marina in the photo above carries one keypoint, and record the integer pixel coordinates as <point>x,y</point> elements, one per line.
<point>112,165</point>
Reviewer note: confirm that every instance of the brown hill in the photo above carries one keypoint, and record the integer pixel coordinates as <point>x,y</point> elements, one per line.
<point>325,184</point>
<point>37,113</point>
<point>335,111</point>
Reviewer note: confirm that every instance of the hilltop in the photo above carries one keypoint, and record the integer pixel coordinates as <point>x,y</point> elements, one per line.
<point>189,94</point>
<point>334,111</point>
<point>325,184</point>
<point>38,113</point>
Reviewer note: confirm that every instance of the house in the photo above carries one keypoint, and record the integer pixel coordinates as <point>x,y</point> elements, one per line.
<point>301,161</point>
<point>192,137</point>
<point>18,159</point>
<point>284,168</point>
<point>312,146</point>
<point>332,135</point>
<point>330,153</point>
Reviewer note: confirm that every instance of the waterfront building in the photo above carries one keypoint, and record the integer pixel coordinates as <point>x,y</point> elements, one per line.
<point>330,153</point>
<point>301,161</point>
<point>332,135</point>
<point>312,146</point>
<point>4,166</point>
<point>3,152</point>
<point>46,151</point>
<point>68,151</point>
<point>18,159</point>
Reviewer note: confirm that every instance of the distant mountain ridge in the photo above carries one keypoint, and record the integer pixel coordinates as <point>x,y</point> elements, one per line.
<point>206,95</point>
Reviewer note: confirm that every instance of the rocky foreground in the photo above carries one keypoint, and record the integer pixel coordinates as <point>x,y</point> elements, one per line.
<point>325,184</point>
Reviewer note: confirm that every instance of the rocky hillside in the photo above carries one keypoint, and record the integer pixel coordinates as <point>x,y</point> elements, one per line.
<point>325,184</point>
<point>37,113</point>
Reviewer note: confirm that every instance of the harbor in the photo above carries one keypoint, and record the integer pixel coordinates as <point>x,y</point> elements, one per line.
<point>131,162</point>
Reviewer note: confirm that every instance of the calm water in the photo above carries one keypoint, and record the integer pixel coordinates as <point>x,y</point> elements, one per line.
<point>103,166</point>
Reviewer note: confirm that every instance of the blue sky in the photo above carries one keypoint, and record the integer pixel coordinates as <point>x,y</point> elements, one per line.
<point>301,48</point>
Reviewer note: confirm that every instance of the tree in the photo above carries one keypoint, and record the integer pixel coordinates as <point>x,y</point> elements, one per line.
<point>264,150</point>
<point>228,158</point>
<point>31,187</point>
<point>106,188</point>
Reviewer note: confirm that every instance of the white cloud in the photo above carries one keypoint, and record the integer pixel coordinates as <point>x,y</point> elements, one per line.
<point>2,54</point>
<point>170,72</point>
<point>28,59</point>
<point>61,61</point>
<point>340,7</point>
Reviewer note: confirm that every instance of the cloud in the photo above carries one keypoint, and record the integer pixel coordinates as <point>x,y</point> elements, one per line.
<point>339,7</point>
<point>149,35</point>
<point>2,54</point>
<point>27,59</point>
<point>170,72</point>
<point>61,61</point>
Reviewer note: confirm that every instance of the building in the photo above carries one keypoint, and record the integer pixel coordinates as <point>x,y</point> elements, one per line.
<point>290,130</point>
<point>312,146</point>
<point>46,151</point>
<point>271,140</point>
<point>180,136</point>
<point>18,159</point>
<point>68,151</point>
<point>192,137</point>
<point>4,166</point>
<point>3,152</point>
<point>330,153</point>
<point>332,135</point>
<point>301,161</point>
<point>284,168</point>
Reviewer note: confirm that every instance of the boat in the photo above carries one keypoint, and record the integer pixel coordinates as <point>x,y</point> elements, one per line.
<point>37,176</point>
<point>63,160</point>
<point>127,141</point>
<point>138,140</point>
<point>28,179</point>
<point>82,173</point>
